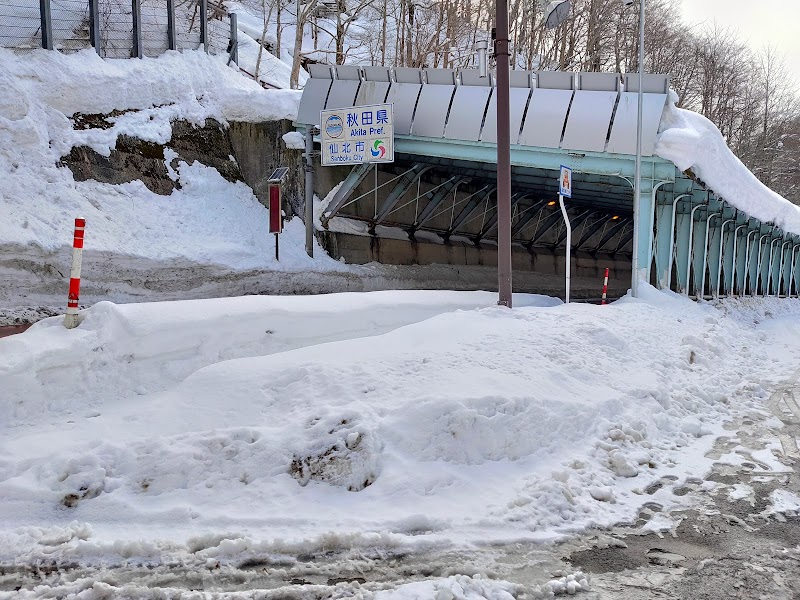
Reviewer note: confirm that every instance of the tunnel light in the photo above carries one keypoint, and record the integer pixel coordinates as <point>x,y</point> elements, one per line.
<point>615,218</point>
<point>551,203</point>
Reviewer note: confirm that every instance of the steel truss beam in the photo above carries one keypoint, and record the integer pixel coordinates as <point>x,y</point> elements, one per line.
<point>546,226</point>
<point>491,224</point>
<point>593,229</point>
<point>528,216</point>
<point>612,233</point>
<point>575,222</point>
<point>465,213</point>
<point>438,198</point>
<point>623,241</point>
<point>352,181</point>
<point>401,187</point>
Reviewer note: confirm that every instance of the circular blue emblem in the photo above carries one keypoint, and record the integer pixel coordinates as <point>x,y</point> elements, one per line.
<point>334,126</point>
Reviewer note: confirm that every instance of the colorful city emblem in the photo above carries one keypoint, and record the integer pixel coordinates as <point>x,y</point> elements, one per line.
<point>378,149</point>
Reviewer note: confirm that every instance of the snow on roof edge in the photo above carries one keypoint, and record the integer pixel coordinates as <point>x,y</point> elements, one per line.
<point>693,143</point>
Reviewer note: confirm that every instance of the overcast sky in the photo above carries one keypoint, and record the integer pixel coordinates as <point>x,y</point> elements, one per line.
<point>759,22</point>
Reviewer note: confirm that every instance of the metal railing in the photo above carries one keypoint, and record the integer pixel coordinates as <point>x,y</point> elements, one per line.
<point>116,28</point>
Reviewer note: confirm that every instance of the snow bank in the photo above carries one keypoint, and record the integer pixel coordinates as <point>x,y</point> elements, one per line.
<point>693,142</point>
<point>291,419</point>
<point>130,350</point>
<point>207,220</point>
<point>83,82</point>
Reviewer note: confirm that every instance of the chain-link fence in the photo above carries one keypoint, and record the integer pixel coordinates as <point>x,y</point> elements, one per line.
<point>20,24</point>
<point>69,26</point>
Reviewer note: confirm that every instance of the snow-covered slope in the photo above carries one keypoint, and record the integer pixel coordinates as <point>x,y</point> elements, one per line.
<point>693,142</point>
<point>208,220</point>
<point>251,425</point>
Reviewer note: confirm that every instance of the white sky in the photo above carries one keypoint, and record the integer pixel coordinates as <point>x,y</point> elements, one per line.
<point>758,21</point>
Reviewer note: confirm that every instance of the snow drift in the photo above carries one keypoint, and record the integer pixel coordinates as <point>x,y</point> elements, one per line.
<point>278,420</point>
<point>694,143</point>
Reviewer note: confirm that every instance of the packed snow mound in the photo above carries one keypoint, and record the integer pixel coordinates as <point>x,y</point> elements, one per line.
<point>694,143</point>
<point>131,350</point>
<point>207,219</point>
<point>379,414</point>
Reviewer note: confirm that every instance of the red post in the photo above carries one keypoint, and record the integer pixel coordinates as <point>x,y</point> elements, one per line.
<point>71,319</point>
<point>275,215</point>
<point>605,288</point>
<point>275,220</point>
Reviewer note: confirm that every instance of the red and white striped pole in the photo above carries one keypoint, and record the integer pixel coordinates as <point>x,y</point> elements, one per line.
<point>605,288</point>
<point>71,320</point>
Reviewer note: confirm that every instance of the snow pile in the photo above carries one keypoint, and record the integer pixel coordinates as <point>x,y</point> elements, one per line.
<point>207,220</point>
<point>784,502</point>
<point>693,142</point>
<point>132,350</point>
<point>350,418</point>
<point>457,587</point>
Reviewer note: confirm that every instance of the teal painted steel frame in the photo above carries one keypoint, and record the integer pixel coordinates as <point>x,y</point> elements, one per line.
<point>732,256</point>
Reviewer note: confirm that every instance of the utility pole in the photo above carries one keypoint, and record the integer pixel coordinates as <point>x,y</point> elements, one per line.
<point>637,184</point>
<point>503,56</point>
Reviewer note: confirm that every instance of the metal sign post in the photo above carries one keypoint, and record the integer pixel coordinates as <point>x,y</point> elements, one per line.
<point>565,190</point>
<point>357,135</point>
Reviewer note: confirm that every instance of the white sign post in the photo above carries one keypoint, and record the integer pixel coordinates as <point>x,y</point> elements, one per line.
<point>356,135</point>
<point>565,190</point>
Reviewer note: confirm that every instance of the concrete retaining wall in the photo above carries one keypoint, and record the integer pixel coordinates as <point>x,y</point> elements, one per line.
<point>359,249</point>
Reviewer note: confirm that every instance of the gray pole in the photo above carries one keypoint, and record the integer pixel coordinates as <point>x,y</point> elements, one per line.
<point>172,38</point>
<point>503,156</point>
<point>47,24</point>
<point>637,184</point>
<point>568,265</point>
<point>136,10</point>
<point>234,39</point>
<point>94,25</point>
<point>310,191</point>
<point>204,24</point>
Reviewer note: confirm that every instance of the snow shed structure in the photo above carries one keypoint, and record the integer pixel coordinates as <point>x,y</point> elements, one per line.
<point>442,185</point>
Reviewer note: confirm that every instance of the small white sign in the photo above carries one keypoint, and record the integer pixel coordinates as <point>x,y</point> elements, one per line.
<point>565,182</point>
<point>356,135</point>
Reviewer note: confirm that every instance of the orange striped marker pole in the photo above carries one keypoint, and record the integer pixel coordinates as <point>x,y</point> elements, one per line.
<point>605,289</point>
<point>71,320</point>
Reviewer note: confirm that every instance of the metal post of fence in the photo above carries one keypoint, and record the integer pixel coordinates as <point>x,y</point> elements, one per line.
<point>94,24</point>
<point>234,41</point>
<point>204,24</point>
<point>47,24</point>
<point>136,13</point>
<point>172,38</point>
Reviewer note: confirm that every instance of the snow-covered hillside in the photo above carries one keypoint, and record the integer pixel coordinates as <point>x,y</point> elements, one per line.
<point>208,219</point>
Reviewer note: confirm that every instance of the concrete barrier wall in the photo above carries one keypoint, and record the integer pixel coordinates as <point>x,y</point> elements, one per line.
<point>358,249</point>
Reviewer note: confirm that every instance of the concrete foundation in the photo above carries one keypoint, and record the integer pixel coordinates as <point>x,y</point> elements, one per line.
<point>587,270</point>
